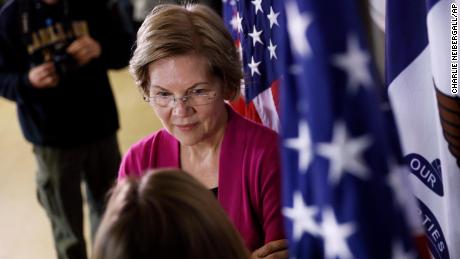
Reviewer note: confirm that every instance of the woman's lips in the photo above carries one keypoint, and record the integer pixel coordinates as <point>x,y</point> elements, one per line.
<point>186,127</point>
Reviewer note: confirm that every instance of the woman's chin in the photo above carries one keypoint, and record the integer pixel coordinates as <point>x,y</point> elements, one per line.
<point>186,141</point>
<point>187,138</point>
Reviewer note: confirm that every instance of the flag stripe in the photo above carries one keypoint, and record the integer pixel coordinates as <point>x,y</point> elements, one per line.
<point>400,23</point>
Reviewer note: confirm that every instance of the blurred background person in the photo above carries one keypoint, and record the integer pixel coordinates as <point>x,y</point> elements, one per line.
<point>186,65</point>
<point>166,214</point>
<point>54,56</point>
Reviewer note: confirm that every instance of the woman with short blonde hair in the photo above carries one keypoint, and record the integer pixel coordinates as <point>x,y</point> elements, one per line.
<point>186,29</point>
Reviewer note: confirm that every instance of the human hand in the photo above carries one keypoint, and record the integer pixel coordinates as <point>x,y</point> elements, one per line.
<point>84,49</point>
<point>43,76</point>
<point>277,249</point>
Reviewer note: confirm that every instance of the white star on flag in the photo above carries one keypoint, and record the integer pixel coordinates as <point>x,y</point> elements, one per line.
<point>355,63</point>
<point>273,17</point>
<point>297,25</point>
<point>345,154</point>
<point>258,5</point>
<point>397,183</point>
<point>255,35</point>
<point>303,145</point>
<point>302,217</point>
<point>272,49</point>
<point>254,66</point>
<point>399,253</point>
<point>236,22</point>
<point>335,236</point>
<point>239,22</point>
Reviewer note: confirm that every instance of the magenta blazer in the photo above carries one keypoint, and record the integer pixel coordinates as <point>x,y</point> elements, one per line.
<point>249,175</point>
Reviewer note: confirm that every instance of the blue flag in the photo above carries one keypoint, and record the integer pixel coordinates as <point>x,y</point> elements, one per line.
<point>338,195</point>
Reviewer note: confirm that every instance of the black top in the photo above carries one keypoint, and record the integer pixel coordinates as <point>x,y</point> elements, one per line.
<point>214,191</point>
<point>81,109</point>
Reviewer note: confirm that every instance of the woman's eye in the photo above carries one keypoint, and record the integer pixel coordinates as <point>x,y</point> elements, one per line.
<point>199,91</point>
<point>162,94</point>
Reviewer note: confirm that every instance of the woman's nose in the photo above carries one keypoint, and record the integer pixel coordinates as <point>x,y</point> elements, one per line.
<point>180,108</point>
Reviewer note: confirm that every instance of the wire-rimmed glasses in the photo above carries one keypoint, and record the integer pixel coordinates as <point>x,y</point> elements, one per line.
<point>195,98</point>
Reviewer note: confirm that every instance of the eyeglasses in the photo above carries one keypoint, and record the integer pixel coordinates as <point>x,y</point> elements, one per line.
<point>195,98</point>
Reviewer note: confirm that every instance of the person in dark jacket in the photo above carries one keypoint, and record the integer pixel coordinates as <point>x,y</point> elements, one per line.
<point>54,57</point>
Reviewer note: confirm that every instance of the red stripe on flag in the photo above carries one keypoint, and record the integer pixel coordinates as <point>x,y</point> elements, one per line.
<point>247,110</point>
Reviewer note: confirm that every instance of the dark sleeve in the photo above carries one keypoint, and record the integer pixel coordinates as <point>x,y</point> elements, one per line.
<point>13,68</point>
<point>117,38</point>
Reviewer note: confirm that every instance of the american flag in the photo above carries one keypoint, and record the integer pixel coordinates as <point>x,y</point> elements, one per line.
<point>338,195</point>
<point>255,25</point>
